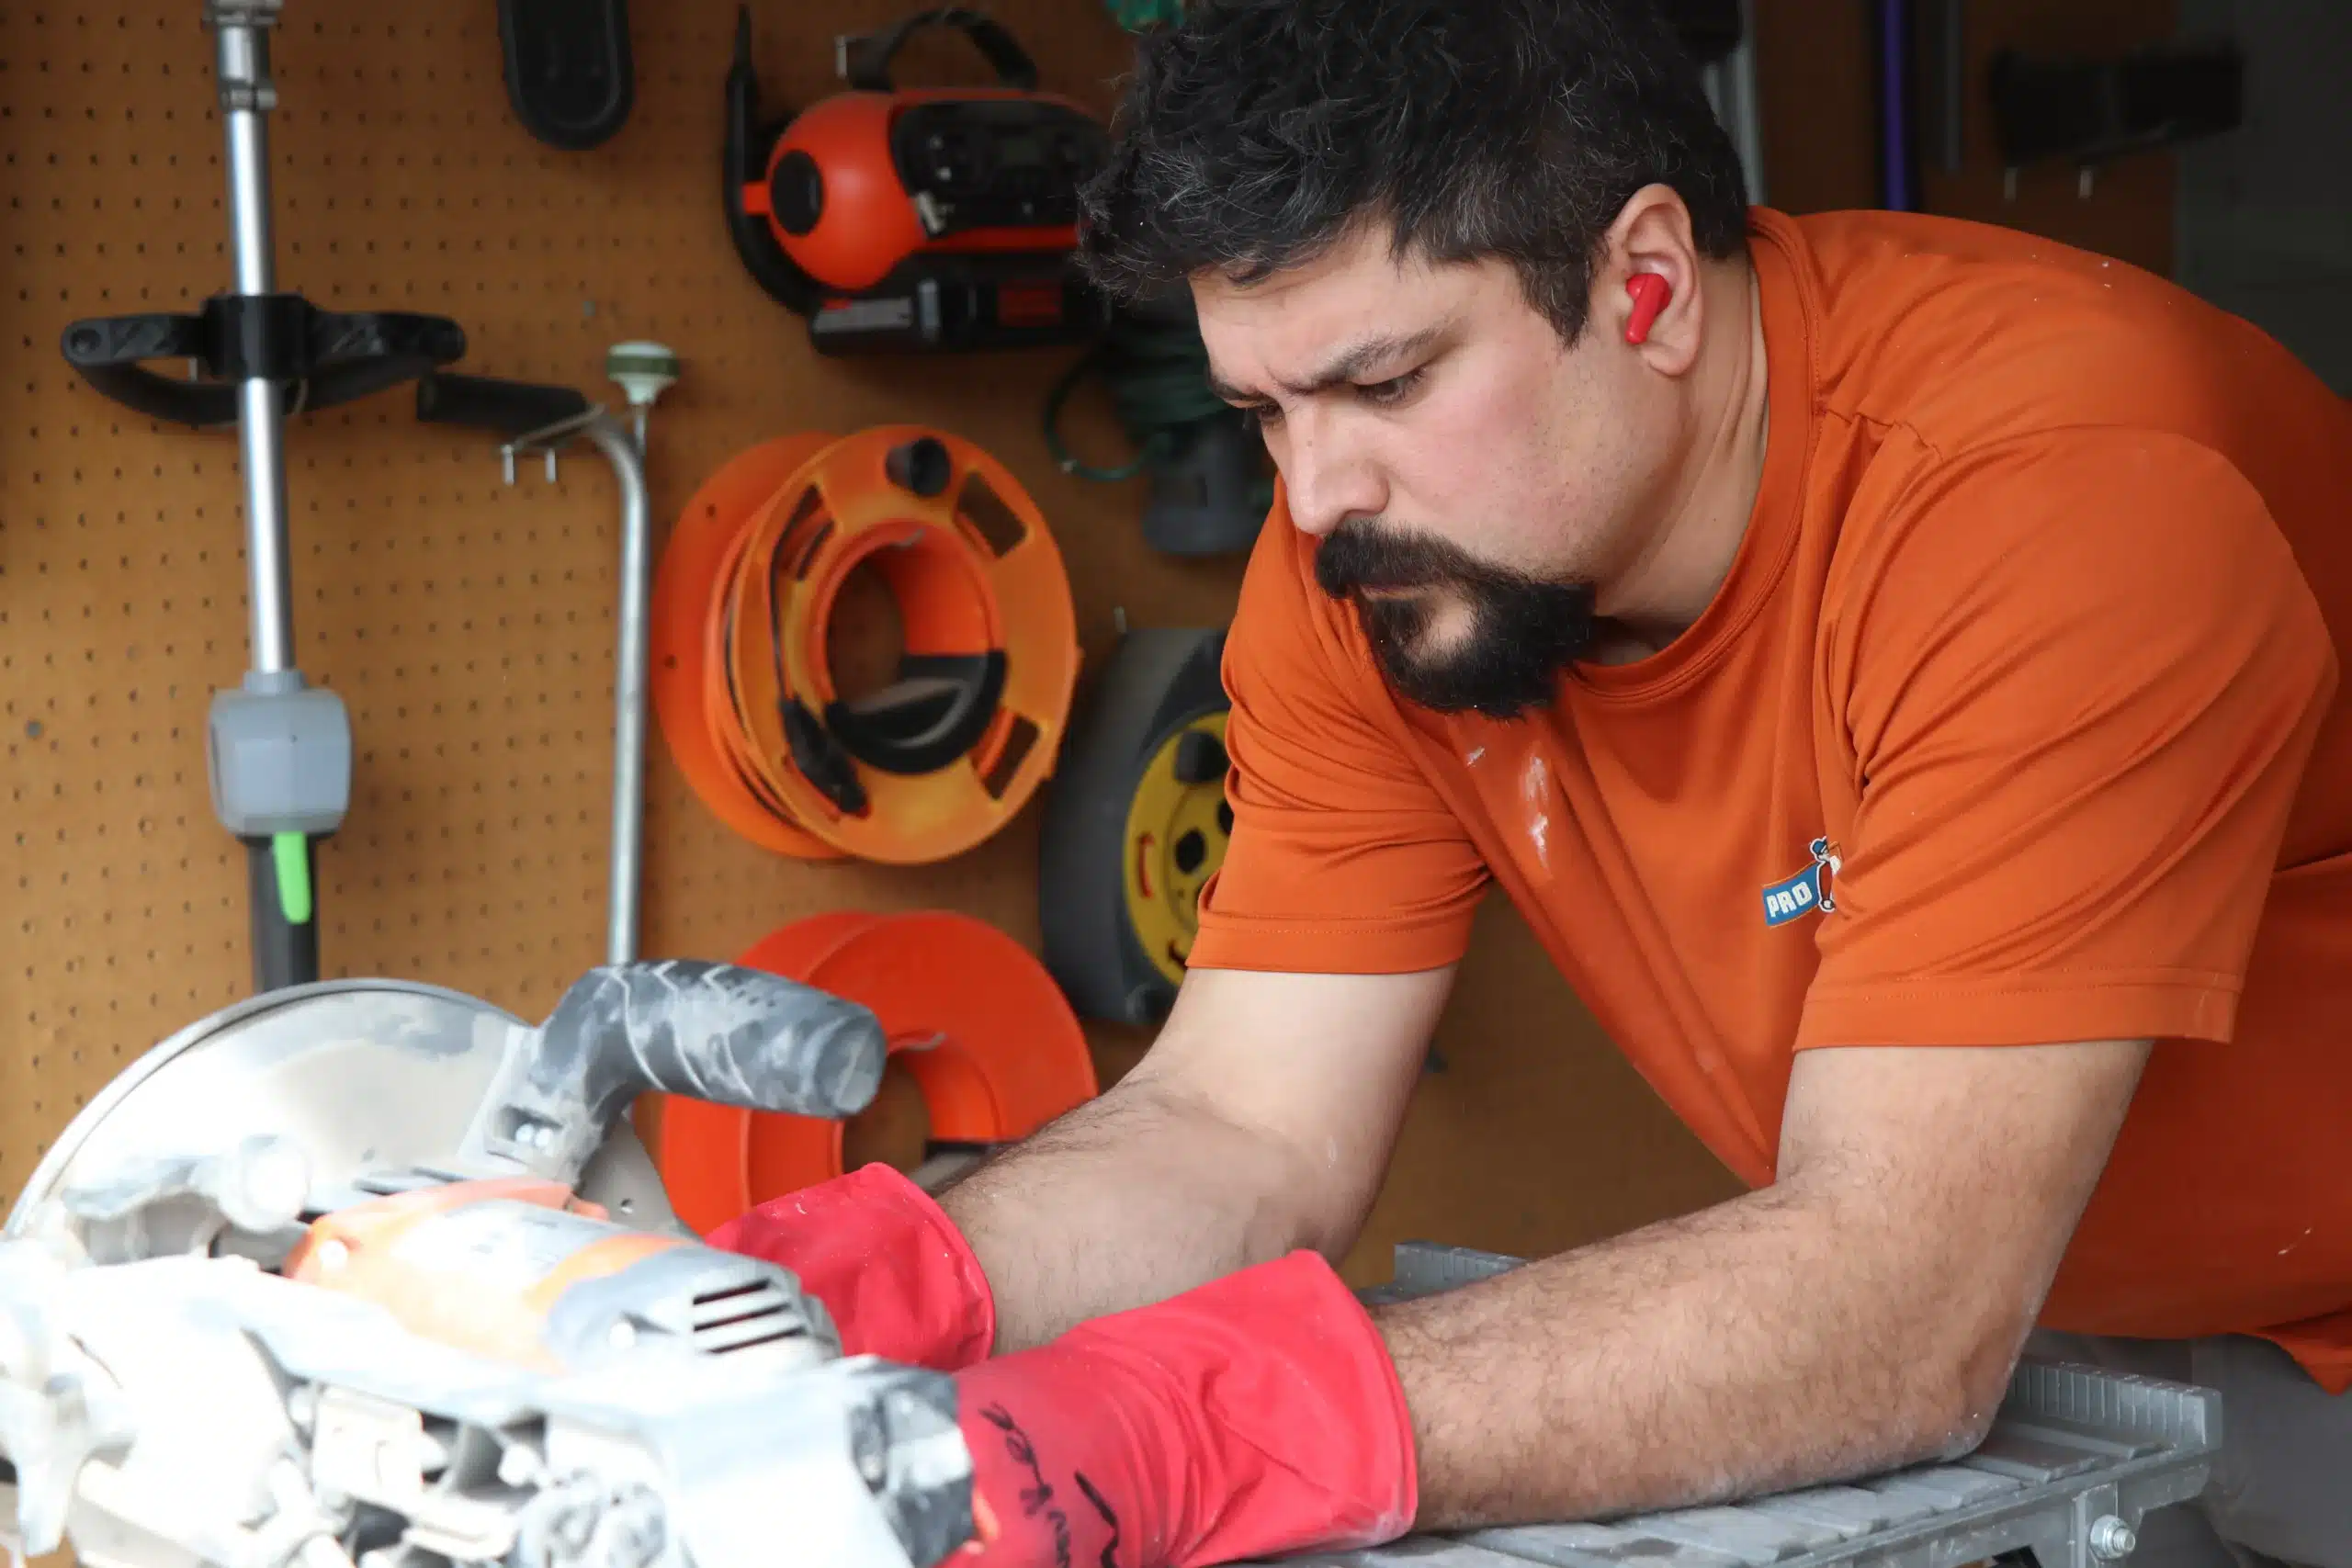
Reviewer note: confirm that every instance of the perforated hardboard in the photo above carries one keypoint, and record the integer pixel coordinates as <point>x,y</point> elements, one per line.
<point>467,625</point>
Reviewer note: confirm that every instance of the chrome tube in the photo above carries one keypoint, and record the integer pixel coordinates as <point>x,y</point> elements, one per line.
<point>241,54</point>
<point>628,686</point>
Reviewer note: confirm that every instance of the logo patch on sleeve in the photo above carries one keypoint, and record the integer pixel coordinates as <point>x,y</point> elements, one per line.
<point>1807,891</point>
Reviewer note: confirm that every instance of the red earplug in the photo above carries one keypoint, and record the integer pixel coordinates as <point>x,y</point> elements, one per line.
<point>1650,294</point>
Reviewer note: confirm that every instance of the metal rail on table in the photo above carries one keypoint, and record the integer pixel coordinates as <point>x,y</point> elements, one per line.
<point>2074,1458</point>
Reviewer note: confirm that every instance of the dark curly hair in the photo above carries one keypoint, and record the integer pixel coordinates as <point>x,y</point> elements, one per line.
<point>1255,133</point>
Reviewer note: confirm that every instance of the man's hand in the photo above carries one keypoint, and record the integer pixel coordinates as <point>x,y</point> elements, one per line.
<point>1259,1122</point>
<point>1863,1311</point>
<point>876,1252</point>
<point>1252,1416</point>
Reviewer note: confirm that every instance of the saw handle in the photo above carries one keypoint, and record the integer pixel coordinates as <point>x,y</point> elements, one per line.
<point>714,1032</point>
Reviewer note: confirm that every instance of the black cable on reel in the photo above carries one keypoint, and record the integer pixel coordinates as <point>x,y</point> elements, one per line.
<point>1210,487</point>
<point>1157,374</point>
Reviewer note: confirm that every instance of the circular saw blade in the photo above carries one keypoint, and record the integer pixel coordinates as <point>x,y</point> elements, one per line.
<point>363,1076</point>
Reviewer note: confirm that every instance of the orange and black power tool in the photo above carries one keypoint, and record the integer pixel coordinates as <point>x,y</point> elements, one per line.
<point>898,218</point>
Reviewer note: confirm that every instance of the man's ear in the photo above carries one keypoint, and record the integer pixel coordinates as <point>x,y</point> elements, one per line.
<point>1664,325</point>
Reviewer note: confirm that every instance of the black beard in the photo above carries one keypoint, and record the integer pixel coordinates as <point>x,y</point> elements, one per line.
<point>1523,630</point>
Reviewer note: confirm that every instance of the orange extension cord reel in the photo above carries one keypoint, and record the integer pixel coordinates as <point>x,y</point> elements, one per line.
<point>973,1017</point>
<point>743,602</point>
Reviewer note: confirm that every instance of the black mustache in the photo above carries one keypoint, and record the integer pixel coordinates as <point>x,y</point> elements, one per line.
<point>1355,556</point>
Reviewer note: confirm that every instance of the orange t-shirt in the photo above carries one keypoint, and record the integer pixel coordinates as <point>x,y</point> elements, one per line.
<point>2036,622</point>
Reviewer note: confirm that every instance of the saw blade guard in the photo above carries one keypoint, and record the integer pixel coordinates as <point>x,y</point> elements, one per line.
<point>292,1103</point>
<point>353,1077</point>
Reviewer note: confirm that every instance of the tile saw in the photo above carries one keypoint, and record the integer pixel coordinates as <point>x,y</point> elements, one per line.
<point>370,1274</point>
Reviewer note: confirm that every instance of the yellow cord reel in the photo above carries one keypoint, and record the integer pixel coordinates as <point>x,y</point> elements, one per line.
<point>1135,824</point>
<point>1177,826</point>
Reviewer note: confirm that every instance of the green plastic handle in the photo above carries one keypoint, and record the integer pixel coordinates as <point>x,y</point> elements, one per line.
<point>293,876</point>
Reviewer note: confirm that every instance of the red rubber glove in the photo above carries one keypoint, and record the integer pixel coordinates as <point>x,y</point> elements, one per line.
<point>884,1259</point>
<point>1252,1416</point>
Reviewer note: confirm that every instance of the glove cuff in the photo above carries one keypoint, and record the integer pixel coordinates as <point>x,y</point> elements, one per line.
<point>884,1259</point>
<point>1252,1417</point>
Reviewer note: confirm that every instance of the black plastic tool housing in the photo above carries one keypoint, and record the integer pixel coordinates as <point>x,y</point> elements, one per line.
<point>570,75</point>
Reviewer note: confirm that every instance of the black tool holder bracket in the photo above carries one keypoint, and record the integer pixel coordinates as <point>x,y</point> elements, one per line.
<point>2094,111</point>
<point>318,358</point>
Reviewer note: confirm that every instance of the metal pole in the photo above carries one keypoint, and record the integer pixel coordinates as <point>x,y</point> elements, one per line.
<point>1748,120</point>
<point>1730,84</point>
<point>1897,109</point>
<point>628,686</point>
<point>247,95</point>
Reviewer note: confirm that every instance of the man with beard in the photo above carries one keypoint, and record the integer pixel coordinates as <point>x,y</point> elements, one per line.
<point>1891,663</point>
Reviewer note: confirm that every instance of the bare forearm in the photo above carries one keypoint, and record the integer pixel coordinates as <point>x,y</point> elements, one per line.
<point>1862,1313</point>
<point>1742,1349</point>
<point>1259,1122</point>
<point>1130,1199</point>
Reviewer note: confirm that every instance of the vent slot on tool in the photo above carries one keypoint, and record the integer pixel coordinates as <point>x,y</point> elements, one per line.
<point>733,1318</point>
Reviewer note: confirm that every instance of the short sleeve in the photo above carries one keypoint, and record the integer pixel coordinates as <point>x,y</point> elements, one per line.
<point>1343,857</point>
<point>2080,678</point>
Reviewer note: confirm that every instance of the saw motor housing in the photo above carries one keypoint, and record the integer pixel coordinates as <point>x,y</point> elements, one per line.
<point>527,1273</point>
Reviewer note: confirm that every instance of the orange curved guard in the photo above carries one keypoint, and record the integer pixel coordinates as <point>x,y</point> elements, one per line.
<point>981,1026</point>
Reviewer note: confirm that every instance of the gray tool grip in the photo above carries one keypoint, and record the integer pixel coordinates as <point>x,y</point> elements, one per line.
<point>712,1032</point>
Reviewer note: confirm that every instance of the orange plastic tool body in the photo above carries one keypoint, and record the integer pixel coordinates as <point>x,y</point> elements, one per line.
<point>478,1265</point>
<point>868,224</point>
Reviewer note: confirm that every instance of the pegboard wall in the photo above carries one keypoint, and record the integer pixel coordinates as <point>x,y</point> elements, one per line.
<point>467,623</point>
